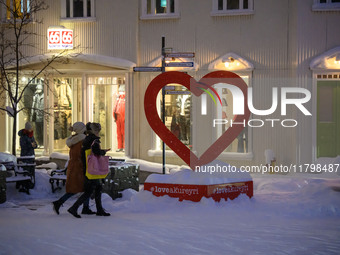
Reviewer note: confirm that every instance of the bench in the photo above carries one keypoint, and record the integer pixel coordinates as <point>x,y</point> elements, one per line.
<point>58,176</point>
<point>21,170</point>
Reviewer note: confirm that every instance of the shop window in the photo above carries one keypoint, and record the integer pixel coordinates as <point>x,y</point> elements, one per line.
<point>34,108</point>
<point>106,102</point>
<point>17,9</point>
<point>225,112</point>
<point>232,7</point>
<point>77,9</point>
<point>66,109</point>
<point>159,9</point>
<point>177,114</point>
<point>326,5</point>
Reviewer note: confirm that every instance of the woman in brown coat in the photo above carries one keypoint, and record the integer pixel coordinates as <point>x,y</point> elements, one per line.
<point>75,175</point>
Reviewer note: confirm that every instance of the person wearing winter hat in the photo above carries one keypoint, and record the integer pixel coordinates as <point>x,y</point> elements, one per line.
<point>92,141</point>
<point>75,176</point>
<point>27,140</point>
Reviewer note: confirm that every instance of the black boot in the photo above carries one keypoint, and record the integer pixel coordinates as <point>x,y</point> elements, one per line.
<point>73,211</point>
<point>87,210</point>
<point>56,206</point>
<point>102,213</point>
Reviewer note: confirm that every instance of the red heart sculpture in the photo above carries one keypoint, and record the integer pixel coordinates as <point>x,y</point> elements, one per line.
<point>186,80</point>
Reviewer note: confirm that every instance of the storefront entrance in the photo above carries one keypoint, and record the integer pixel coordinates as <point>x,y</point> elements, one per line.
<point>328,118</point>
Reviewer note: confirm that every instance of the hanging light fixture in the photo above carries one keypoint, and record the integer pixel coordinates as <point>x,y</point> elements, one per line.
<point>337,59</point>
<point>163,3</point>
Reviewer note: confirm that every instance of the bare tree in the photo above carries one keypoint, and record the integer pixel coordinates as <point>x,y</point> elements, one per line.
<point>17,38</point>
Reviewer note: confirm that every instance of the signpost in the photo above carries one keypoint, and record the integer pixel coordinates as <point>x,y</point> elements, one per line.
<point>180,55</point>
<point>162,69</point>
<point>147,69</point>
<point>179,64</point>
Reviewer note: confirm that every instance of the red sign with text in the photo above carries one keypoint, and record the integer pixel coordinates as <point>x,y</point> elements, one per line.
<point>60,38</point>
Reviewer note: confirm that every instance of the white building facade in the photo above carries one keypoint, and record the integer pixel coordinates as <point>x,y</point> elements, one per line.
<point>269,44</point>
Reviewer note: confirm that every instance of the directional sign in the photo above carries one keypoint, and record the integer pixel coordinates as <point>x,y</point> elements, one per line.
<point>178,92</point>
<point>147,69</point>
<point>180,55</point>
<point>180,64</point>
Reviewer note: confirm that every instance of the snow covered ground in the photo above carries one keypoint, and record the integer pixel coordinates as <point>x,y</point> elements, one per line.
<point>287,215</point>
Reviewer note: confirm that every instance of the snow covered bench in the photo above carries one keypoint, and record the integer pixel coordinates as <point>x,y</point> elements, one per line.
<point>20,170</point>
<point>58,176</point>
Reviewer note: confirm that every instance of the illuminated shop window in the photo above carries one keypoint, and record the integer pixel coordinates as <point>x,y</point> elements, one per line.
<point>106,102</point>
<point>35,110</point>
<point>17,8</point>
<point>177,114</point>
<point>225,112</point>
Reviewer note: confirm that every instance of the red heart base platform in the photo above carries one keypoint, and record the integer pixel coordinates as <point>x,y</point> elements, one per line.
<point>194,192</point>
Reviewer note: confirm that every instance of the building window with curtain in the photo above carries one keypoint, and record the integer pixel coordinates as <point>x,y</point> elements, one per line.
<point>78,9</point>
<point>159,9</point>
<point>232,7</point>
<point>17,9</point>
<point>326,5</point>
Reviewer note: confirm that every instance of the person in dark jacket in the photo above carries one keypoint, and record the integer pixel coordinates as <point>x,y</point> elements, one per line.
<point>27,140</point>
<point>92,141</point>
<point>75,176</point>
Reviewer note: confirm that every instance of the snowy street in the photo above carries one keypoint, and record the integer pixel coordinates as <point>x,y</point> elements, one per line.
<point>285,216</point>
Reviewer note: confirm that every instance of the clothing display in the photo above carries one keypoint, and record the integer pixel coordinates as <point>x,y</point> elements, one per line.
<point>184,106</point>
<point>37,113</point>
<point>119,117</point>
<point>63,94</point>
<point>62,109</point>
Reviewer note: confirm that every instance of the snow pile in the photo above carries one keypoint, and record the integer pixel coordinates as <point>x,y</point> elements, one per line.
<point>216,172</point>
<point>50,165</point>
<point>6,157</point>
<point>58,155</point>
<point>286,216</point>
<point>151,166</point>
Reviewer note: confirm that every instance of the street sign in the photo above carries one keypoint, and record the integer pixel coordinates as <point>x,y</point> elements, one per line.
<point>178,92</point>
<point>147,69</point>
<point>179,64</point>
<point>180,55</point>
<point>169,87</point>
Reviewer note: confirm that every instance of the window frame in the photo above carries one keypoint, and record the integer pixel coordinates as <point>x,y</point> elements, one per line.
<point>225,12</point>
<point>6,15</point>
<point>328,6</point>
<point>64,17</point>
<point>231,155</point>
<point>168,15</point>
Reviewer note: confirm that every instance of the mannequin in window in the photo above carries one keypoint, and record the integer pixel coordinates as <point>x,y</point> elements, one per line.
<point>184,104</point>
<point>64,93</point>
<point>37,113</point>
<point>175,127</point>
<point>119,117</point>
<point>62,105</point>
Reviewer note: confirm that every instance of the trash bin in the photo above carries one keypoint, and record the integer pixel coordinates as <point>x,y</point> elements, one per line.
<point>3,175</point>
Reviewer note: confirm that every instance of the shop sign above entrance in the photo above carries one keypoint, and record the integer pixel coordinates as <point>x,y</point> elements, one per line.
<point>60,38</point>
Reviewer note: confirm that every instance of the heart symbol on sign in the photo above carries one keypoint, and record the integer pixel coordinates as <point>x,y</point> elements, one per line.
<point>150,102</point>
